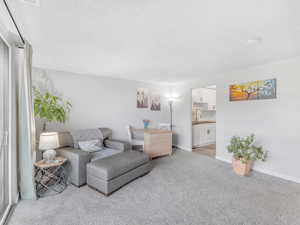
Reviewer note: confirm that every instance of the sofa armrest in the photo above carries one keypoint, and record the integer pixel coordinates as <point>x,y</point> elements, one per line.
<point>77,161</point>
<point>117,145</point>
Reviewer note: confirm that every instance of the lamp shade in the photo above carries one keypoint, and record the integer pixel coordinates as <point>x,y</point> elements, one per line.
<point>48,141</point>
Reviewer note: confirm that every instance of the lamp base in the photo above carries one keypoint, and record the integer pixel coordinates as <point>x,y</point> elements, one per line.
<point>49,155</point>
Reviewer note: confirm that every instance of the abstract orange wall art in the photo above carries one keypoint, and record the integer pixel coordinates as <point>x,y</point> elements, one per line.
<point>263,89</point>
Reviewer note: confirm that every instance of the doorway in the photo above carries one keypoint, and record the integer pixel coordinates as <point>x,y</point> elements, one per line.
<point>204,120</point>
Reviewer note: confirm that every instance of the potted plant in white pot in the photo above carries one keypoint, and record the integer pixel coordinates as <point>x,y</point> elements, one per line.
<point>245,153</point>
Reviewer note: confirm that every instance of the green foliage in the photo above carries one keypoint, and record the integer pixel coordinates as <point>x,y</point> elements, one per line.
<point>50,108</point>
<point>244,149</point>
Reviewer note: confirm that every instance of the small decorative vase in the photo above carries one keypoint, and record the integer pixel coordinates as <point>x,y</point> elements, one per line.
<point>241,168</point>
<point>146,123</point>
<point>49,156</point>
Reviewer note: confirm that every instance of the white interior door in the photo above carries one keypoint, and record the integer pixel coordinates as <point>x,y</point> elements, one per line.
<point>4,121</point>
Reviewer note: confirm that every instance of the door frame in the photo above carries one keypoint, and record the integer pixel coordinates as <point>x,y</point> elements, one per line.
<point>4,35</point>
<point>191,111</point>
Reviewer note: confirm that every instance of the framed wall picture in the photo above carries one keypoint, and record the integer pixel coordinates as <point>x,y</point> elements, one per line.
<point>142,98</point>
<point>155,102</point>
<point>267,89</point>
<point>255,90</point>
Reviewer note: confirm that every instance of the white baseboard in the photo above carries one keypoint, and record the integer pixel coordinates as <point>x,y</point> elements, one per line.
<point>268,172</point>
<point>205,144</point>
<point>184,148</point>
<point>222,159</point>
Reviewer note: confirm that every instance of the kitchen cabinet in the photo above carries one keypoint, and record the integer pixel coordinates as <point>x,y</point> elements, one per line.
<point>204,99</point>
<point>204,134</point>
<point>209,96</point>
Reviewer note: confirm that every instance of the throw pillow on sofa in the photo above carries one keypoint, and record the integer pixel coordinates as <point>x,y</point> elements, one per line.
<point>91,145</point>
<point>85,135</point>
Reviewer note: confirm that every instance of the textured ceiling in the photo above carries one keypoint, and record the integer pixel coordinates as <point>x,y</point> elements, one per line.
<point>159,40</point>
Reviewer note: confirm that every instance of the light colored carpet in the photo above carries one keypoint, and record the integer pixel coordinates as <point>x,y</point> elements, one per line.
<point>185,189</point>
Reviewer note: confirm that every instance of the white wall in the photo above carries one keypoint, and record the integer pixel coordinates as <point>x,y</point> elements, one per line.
<point>275,122</point>
<point>182,118</point>
<point>100,101</point>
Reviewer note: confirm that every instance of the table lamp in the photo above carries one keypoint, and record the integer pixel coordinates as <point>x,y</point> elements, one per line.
<point>48,142</point>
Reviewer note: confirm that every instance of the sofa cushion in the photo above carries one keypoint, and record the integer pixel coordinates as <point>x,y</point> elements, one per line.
<point>85,135</point>
<point>116,165</point>
<point>116,144</point>
<point>91,145</point>
<point>65,139</point>
<point>105,133</point>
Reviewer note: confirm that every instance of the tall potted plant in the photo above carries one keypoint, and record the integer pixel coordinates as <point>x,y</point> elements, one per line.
<point>50,108</point>
<point>245,153</point>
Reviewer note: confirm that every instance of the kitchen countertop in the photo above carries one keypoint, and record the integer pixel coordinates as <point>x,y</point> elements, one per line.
<point>203,122</point>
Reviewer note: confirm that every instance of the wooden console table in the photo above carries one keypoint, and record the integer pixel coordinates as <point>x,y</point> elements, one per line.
<point>157,142</point>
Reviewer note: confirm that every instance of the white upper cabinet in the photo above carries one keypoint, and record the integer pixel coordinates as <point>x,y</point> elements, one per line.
<point>205,95</point>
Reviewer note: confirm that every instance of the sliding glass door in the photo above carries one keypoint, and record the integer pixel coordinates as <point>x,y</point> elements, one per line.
<point>4,122</point>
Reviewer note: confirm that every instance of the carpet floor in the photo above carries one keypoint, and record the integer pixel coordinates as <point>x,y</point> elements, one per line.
<point>183,189</point>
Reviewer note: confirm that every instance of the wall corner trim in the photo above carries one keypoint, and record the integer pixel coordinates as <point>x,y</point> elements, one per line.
<point>184,148</point>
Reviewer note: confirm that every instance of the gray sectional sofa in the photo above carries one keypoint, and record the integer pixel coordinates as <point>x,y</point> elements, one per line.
<point>79,159</point>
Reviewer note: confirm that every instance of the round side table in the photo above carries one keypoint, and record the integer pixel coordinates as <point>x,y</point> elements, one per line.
<point>51,178</point>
